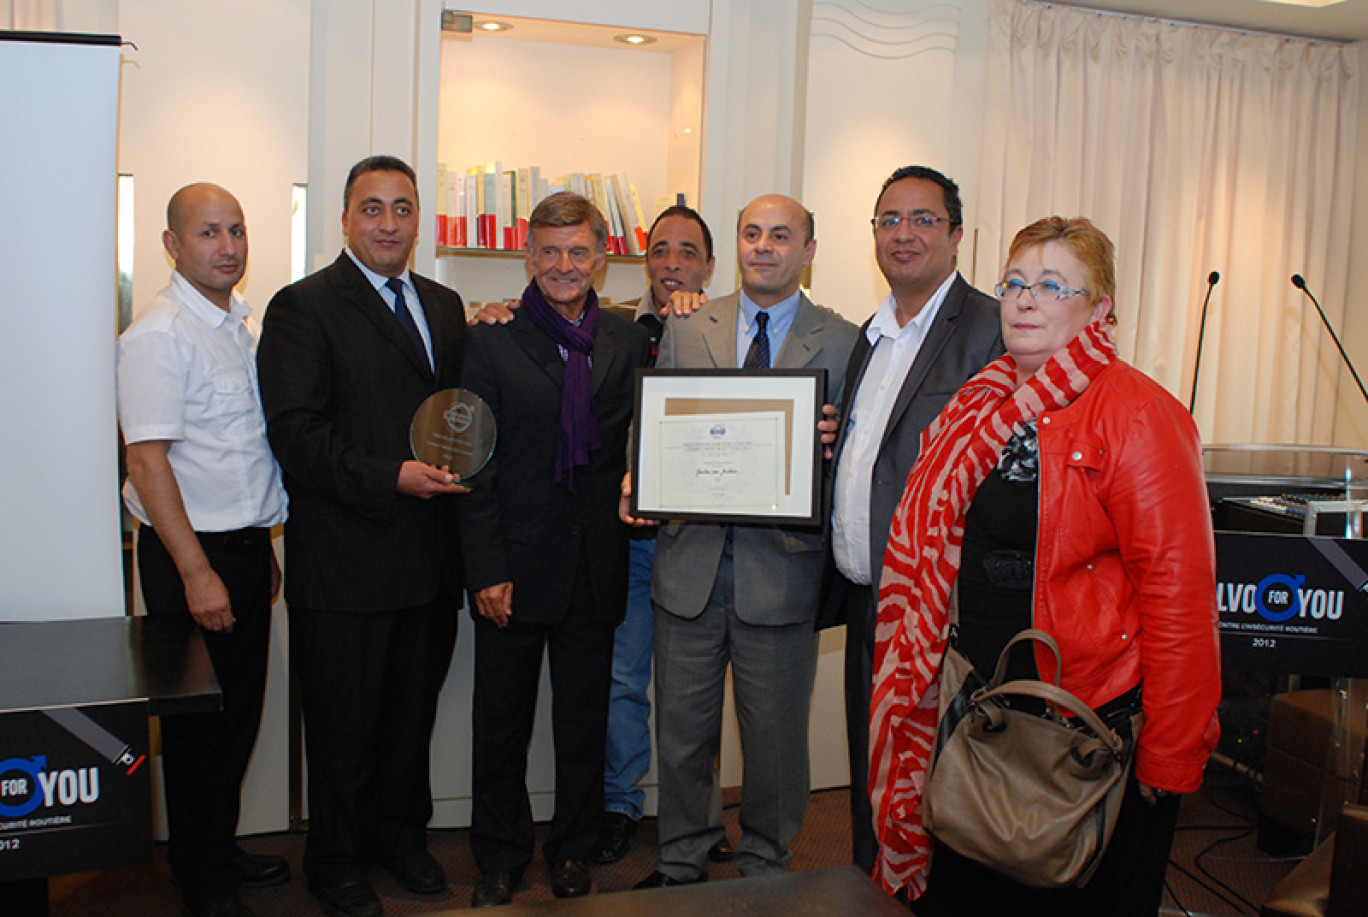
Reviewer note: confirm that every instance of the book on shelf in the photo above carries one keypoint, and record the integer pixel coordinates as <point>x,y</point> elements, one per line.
<point>641,231</point>
<point>456,234</point>
<point>443,227</point>
<point>489,206</point>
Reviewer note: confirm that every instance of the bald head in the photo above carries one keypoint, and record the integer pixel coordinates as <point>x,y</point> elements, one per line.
<point>774,242</point>
<point>184,201</point>
<point>206,236</point>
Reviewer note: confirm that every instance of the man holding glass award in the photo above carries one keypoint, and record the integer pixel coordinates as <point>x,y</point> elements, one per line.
<point>347,356</point>
<point>737,571</point>
<point>545,554</point>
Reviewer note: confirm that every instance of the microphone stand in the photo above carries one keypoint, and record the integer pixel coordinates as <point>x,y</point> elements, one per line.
<point>1212,279</point>
<point>1300,283</point>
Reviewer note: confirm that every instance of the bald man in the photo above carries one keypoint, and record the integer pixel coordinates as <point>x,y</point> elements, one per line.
<point>202,482</point>
<point>744,595</point>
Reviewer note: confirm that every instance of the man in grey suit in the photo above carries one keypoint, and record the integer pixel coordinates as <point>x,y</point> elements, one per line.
<point>742,594</point>
<point>928,337</point>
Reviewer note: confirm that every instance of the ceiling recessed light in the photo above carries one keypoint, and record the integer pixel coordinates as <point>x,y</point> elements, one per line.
<point>1310,3</point>
<point>491,25</point>
<point>635,38</point>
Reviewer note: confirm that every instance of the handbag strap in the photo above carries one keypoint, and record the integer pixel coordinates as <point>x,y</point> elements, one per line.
<point>1057,697</point>
<point>1029,634</point>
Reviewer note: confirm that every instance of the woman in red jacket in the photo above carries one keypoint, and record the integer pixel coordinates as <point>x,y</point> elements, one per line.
<point>1060,489</point>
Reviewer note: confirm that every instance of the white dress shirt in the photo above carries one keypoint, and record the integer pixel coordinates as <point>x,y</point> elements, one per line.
<point>894,350</point>
<point>187,374</point>
<point>411,300</point>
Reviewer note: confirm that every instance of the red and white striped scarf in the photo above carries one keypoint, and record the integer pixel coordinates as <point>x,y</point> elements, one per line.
<point>959,449</point>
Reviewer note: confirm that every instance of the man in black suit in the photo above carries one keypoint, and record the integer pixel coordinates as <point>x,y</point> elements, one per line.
<point>545,553</point>
<point>373,574</point>
<point>929,336</point>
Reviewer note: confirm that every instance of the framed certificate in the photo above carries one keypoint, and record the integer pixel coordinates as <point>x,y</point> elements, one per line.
<point>728,445</point>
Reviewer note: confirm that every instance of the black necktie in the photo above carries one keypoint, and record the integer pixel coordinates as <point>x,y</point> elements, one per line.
<point>405,317</point>
<point>758,356</point>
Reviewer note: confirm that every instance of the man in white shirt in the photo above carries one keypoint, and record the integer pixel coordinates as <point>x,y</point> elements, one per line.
<point>203,483</point>
<point>930,335</point>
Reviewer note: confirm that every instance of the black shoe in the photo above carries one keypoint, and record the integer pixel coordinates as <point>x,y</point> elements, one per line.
<point>658,879</point>
<point>418,872</point>
<point>570,879</point>
<point>217,906</point>
<point>493,889</point>
<point>347,897</point>
<point>614,837</point>
<point>722,851</point>
<point>257,870</point>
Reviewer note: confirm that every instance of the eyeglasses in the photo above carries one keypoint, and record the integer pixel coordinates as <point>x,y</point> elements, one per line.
<point>1048,289</point>
<point>922,222</point>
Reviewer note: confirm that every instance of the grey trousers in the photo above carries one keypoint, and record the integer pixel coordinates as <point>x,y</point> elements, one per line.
<point>772,673</point>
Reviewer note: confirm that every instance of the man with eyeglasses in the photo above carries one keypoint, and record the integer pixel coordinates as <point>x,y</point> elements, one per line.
<point>931,334</point>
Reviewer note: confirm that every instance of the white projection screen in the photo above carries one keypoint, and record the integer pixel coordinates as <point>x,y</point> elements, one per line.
<point>59,505</point>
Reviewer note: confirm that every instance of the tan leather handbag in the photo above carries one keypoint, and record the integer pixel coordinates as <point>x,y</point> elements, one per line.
<point>1034,797</point>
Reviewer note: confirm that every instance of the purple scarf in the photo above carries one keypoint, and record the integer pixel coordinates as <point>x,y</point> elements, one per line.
<point>578,426</point>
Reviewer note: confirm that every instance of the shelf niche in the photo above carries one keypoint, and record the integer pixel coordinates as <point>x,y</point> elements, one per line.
<point>568,97</point>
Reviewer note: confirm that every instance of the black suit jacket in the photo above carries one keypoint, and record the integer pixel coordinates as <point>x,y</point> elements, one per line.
<point>520,526</point>
<point>965,336</point>
<point>340,382</point>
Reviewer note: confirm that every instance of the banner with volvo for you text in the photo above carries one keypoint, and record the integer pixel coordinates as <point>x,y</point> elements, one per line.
<point>74,790</point>
<point>1292,604</point>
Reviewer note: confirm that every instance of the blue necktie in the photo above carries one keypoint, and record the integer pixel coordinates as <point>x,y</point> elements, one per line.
<point>405,317</point>
<point>758,356</point>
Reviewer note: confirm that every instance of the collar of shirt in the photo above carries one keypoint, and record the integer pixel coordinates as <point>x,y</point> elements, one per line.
<point>885,321</point>
<point>379,280</point>
<point>781,316</point>
<point>646,305</point>
<point>201,308</point>
<point>411,299</point>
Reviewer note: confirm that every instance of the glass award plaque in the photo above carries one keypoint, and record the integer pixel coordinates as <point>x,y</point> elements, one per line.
<point>455,428</point>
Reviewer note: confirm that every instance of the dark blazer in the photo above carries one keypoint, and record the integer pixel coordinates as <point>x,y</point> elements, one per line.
<point>519,525</point>
<point>778,569</point>
<point>340,382</point>
<point>965,336</point>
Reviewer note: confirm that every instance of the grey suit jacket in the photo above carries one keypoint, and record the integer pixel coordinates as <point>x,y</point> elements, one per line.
<point>965,337</point>
<point>778,568</point>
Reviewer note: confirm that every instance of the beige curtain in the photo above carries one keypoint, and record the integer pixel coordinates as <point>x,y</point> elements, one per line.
<point>28,15</point>
<point>1196,149</point>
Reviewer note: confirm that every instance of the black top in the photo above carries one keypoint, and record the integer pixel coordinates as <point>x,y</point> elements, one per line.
<point>997,560</point>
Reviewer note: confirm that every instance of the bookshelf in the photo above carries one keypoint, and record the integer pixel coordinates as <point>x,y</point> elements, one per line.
<point>568,98</point>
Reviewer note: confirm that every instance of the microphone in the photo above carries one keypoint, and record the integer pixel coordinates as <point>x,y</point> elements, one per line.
<point>1212,279</point>
<point>1300,283</point>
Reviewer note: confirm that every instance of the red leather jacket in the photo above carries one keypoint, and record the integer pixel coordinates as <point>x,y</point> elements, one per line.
<point>1125,567</point>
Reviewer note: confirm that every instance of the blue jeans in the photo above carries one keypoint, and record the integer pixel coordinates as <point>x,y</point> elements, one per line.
<point>628,750</point>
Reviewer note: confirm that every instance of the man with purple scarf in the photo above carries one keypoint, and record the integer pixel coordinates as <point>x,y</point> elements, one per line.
<point>545,553</point>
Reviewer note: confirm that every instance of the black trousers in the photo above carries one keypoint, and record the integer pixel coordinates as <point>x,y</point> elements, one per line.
<point>508,663</point>
<point>861,609</point>
<point>369,685</point>
<point>1129,882</point>
<point>206,755</point>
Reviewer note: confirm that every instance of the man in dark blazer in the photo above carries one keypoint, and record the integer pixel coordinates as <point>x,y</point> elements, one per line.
<point>373,571</point>
<point>929,336</point>
<point>545,552</point>
<point>744,595</point>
